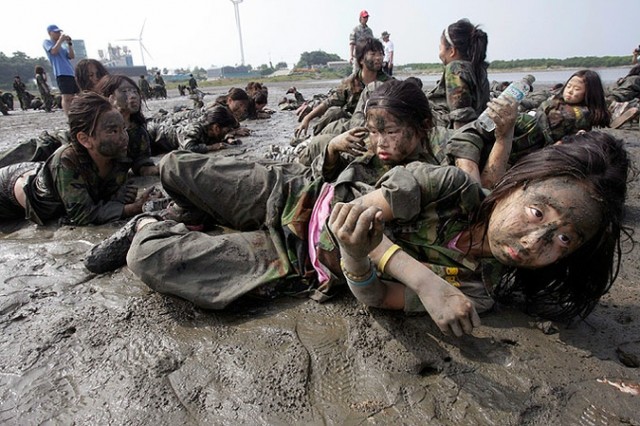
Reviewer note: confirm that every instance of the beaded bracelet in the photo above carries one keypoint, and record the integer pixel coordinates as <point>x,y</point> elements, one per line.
<point>359,280</point>
<point>386,256</point>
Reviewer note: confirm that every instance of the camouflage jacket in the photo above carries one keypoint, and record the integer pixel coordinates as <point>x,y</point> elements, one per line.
<point>458,97</point>
<point>139,150</point>
<point>68,184</point>
<point>347,94</point>
<point>360,32</point>
<point>626,89</point>
<point>552,121</point>
<point>194,137</point>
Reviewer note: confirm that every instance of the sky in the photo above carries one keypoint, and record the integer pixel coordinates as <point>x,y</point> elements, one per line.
<point>203,33</point>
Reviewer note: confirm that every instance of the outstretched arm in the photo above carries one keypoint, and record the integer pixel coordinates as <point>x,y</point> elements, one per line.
<point>358,229</point>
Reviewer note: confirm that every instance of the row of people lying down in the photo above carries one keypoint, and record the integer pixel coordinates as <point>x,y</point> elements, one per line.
<point>64,177</point>
<point>398,229</point>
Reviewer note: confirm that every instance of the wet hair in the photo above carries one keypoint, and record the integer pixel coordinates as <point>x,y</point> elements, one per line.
<point>406,102</point>
<point>109,83</point>
<point>237,94</point>
<point>260,98</point>
<point>84,112</point>
<point>415,80</point>
<point>82,71</point>
<point>634,71</point>
<point>594,98</point>
<point>368,44</point>
<point>471,43</point>
<point>219,115</point>
<point>39,69</point>
<point>573,285</point>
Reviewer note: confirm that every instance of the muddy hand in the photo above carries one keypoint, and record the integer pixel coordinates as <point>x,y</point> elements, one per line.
<point>357,228</point>
<point>449,308</point>
<point>504,112</point>
<point>350,142</point>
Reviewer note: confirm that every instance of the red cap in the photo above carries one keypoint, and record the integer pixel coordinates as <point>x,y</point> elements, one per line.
<point>364,14</point>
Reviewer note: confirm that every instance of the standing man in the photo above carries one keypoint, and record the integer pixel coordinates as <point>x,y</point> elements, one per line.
<point>358,34</point>
<point>193,84</point>
<point>59,48</point>
<point>387,62</point>
<point>145,87</point>
<point>21,90</point>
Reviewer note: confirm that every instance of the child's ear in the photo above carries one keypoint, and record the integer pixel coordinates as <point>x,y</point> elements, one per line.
<point>112,99</point>
<point>84,139</point>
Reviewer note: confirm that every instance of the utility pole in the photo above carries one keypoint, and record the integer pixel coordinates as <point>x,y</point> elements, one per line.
<point>235,5</point>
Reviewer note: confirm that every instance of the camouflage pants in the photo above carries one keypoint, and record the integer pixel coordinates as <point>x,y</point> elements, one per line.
<point>212,270</point>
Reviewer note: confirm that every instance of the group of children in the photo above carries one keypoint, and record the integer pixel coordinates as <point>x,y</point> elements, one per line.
<point>408,203</point>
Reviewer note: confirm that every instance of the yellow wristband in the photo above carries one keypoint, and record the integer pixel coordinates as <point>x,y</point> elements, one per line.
<point>386,256</point>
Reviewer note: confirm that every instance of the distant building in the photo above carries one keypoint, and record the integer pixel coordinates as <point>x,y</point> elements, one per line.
<point>334,65</point>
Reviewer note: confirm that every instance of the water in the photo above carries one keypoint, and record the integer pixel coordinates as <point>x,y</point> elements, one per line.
<point>608,75</point>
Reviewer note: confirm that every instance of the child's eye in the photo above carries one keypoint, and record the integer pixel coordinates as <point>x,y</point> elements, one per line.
<point>564,239</point>
<point>535,212</point>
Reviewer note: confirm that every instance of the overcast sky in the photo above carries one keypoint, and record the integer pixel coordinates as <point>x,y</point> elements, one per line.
<point>203,33</point>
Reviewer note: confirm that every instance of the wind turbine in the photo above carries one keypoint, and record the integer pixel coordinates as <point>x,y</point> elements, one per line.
<point>139,40</point>
<point>235,5</point>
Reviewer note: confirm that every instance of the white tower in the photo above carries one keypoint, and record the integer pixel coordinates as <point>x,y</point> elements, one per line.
<point>235,5</point>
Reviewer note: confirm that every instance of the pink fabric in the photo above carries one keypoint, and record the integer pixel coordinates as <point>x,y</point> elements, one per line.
<point>319,215</point>
<point>453,242</point>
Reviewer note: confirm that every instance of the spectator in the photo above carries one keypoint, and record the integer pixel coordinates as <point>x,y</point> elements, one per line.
<point>59,48</point>
<point>387,62</point>
<point>359,33</point>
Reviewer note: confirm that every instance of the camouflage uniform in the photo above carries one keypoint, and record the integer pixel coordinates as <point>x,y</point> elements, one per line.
<point>360,32</point>
<point>45,92</point>
<point>553,120</point>
<point>35,149</point>
<point>628,88</point>
<point>21,90</point>
<point>145,88</point>
<point>458,97</point>
<point>270,254</point>
<point>343,100</point>
<point>68,184</point>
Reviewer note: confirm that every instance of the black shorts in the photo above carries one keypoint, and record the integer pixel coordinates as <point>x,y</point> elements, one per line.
<point>67,85</point>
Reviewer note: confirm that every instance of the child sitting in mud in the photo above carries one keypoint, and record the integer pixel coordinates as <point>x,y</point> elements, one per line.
<point>83,181</point>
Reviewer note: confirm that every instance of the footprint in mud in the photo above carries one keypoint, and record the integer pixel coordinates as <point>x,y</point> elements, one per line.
<point>332,375</point>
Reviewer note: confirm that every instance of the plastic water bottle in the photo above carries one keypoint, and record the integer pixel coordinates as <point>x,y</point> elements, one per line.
<point>517,90</point>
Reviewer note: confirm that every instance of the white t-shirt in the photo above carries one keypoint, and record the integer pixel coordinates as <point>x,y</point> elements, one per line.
<point>388,49</point>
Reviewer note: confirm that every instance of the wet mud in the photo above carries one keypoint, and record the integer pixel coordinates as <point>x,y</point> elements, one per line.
<point>79,348</point>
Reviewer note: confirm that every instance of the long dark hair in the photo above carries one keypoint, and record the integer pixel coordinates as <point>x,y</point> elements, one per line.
<point>594,98</point>
<point>84,112</point>
<point>109,83</point>
<point>408,103</point>
<point>83,80</point>
<point>471,42</point>
<point>572,286</point>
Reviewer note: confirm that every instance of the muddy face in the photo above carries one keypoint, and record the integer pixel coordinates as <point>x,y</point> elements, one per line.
<point>390,139</point>
<point>373,61</point>
<point>111,138</point>
<point>127,98</point>
<point>537,225</point>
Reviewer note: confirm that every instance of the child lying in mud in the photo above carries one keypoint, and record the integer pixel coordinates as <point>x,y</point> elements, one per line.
<point>285,234</point>
<point>548,232</point>
<point>579,106</point>
<point>85,180</point>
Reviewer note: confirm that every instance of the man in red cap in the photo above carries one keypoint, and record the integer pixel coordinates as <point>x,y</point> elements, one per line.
<point>359,33</point>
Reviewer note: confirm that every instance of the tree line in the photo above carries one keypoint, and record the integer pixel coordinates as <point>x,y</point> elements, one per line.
<point>22,65</point>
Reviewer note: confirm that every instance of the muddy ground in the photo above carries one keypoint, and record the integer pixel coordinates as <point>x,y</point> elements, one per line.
<point>77,348</point>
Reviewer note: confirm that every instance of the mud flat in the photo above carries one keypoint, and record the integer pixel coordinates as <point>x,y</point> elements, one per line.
<point>104,349</point>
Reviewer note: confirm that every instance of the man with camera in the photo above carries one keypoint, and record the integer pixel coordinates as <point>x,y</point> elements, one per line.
<point>634,58</point>
<point>59,48</point>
